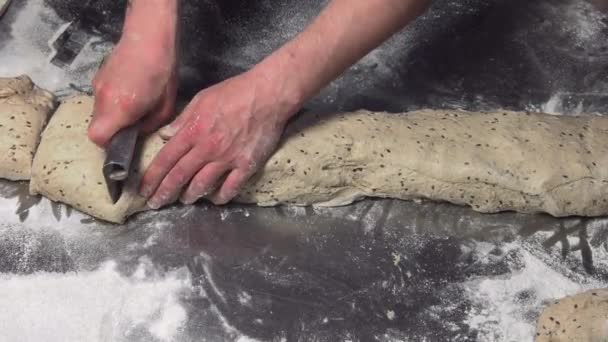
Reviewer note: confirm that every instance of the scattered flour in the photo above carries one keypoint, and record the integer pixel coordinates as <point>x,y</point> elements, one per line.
<point>555,105</point>
<point>33,27</point>
<point>244,298</point>
<point>227,212</point>
<point>583,21</point>
<point>370,221</point>
<point>505,307</point>
<point>244,338</point>
<point>101,305</point>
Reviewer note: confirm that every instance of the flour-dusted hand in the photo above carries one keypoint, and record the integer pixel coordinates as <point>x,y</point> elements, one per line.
<point>139,78</point>
<point>229,130</point>
<point>220,140</point>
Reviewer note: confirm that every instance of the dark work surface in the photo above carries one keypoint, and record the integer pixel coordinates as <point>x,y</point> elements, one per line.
<point>380,269</point>
<point>472,53</point>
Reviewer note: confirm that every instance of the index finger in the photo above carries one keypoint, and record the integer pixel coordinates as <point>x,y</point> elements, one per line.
<point>163,162</point>
<point>111,113</point>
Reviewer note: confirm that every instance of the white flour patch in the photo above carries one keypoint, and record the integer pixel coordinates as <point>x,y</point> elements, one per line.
<point>556,105</point>
<point>294,211</point>
<point>243,338</point>
<point>33,27</point>
<point>244,298</point>
<point>504,308</point>
<point>101,305</point>
<point>370,221</point>
<point>227,213</point>
<point>583,21</point>
<point>40,216</point>
<point>553,106</point>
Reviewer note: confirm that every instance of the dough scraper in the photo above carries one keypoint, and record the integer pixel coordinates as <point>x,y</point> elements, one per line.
<point>119,155</point>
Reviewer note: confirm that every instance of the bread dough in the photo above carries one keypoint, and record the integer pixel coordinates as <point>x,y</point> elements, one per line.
<point>24,109</point>
<point>68,166</point>
<point>490,161</point>
<point>582,317</point>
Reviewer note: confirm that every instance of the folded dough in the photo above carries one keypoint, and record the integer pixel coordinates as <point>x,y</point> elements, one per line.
<point>490,161</point>
<point>24,109</point>
<point>582,317</point>
<point>68,166</point>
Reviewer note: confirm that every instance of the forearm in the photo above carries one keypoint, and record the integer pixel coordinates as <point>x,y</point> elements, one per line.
<point>343,33</point>
<point>153,22</point>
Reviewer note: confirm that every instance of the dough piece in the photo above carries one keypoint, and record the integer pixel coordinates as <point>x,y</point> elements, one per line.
<point>24,109</point>
<point>582,317</point>
<point>490,161</point>
<point>68,166</point>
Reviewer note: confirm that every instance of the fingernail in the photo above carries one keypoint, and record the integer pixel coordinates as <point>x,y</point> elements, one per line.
<point>167,132</point>
<point>154,204</point>
<point>189,199</point>
<point>184,198</point>
<point>162,198</point>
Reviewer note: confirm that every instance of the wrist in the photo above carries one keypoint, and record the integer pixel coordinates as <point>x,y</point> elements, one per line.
<point>277,73</point>
<point>152,22</point>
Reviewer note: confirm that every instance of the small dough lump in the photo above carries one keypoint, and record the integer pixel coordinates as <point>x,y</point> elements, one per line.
<point>24,109</point>
<point>582,317</point>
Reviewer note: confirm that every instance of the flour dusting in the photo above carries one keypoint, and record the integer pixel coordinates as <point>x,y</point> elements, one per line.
<point>505,308</point>
<point>34,26</point>
<point>100,305</point>
<point>583,21</point>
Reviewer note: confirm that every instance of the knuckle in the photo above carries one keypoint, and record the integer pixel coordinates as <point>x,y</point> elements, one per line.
<point>214,143</point>
<point>246,163</point>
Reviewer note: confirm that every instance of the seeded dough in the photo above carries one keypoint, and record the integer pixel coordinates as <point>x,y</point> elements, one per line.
<point>67,166</point>
<point>24,109</point>
<point>490,161</point>
<point>582,317</point>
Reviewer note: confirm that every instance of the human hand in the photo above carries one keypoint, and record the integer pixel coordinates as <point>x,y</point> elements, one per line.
<point>139,78</point>
<point>221,139</point>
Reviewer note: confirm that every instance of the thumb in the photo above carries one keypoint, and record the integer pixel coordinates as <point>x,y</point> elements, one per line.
<point>108,119</point>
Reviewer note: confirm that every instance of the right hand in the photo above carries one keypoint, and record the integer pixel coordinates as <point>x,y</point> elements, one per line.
<point>139,79</point>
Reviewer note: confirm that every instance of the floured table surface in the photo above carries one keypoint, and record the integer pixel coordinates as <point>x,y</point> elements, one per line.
<point>375,270</point>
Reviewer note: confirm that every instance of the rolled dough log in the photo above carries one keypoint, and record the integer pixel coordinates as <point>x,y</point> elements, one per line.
<point>490,161</point>
<point>582,317</point>
<point>24,109</point>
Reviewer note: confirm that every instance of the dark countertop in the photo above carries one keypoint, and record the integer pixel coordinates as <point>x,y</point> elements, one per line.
<point>382,270</point>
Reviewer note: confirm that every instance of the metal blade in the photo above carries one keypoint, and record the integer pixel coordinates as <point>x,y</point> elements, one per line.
<point>119,155</point>
<point>3,6</point>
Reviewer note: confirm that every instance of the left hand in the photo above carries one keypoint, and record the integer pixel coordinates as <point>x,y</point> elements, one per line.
<point>230,130</point>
